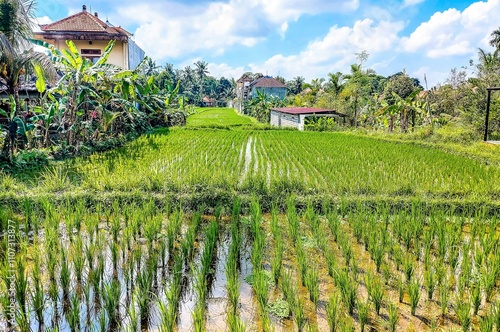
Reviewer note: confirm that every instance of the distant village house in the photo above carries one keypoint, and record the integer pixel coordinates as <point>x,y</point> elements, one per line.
<point>91,35</point>
<point>247,88</point>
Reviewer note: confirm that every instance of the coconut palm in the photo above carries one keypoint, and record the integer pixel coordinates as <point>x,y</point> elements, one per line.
<point>336,82</point>
<point>495,39</point>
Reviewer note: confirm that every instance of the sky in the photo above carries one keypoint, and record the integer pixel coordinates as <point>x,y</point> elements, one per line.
<point>309,38</point>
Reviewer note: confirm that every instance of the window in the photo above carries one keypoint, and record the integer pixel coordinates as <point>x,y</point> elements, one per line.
<point>91,54</point>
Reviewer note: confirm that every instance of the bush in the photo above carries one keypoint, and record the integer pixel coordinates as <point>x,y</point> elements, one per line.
<point>30,160</point>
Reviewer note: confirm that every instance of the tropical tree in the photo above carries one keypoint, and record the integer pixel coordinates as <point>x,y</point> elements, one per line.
<point>295,86</point>
<point>357,85</point>
<point>259,106</point>
<point>407,108</point>
<point>202,72</point>
<point>18,59</point>
<point>336,82</point>
<point>495,39</point>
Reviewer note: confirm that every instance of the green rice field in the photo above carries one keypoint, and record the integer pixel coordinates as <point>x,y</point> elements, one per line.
<point>229,226</point>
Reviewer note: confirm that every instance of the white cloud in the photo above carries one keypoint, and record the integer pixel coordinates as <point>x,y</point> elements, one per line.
<point>170,29</point>
<point>336,51</point>
<point>432,75</point>
<point>40,21</point>
<point>455,33</point>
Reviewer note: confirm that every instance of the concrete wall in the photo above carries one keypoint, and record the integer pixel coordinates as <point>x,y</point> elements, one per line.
<point>279,119</point>
<point>276,92</point>
<point>135,54</point>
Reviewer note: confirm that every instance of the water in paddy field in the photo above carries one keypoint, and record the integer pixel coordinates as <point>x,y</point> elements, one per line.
<point>92,305</point>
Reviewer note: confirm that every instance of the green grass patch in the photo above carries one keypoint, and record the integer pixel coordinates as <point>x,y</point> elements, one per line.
<point>218,117</point>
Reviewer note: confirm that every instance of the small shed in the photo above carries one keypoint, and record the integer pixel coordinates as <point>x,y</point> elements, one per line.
<point>295,116</point>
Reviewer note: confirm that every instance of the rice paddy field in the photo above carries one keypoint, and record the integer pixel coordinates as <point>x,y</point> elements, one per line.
<point>251,229</point>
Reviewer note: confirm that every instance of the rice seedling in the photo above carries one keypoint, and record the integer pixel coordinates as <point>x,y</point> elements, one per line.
<point>489,275</point>
<point>486,323</point>
<point>301,261</point>
<point>111,302</point>
<point>429,281</point>
<point>235,323</point>
<point>37,295</point>
<point>298,314</point>
<point>312,284</point>
<point>462,309</point>
<point>443,297</point>
<point>476,297</point>
<point>414,294</point>
<point>287,288</point>
<point>277,263</point>
<point>199,317</point>
<point>401,288</point>
<point>363,309</point>
<point>333,309</point>
<point>260,287</point>
<point>495,313</point>
<point>347,288</point>
<point>143,293</point>
<point>377,253</point>
<point>330,262</point>
<point>408,266</point>
<point>22,320</point>
<point>375,291</point>
<point>73,316</point>
<point>393,316</point>
<point>103,321</point>
<point>21,284</point>
<point>168,314</point>
<point>77,258</point>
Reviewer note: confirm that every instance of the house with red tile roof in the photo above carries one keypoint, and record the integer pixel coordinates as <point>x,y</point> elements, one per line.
<point>269,86</point>
<point>91,35</point>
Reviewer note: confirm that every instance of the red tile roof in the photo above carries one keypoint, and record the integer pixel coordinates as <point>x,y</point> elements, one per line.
<point>305,110</point>
<point>83,22</point>
<point>267,82</point>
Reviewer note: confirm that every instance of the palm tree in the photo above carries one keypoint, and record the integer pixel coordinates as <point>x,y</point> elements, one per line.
<point>495,39</point>
<point>201,74</point>
<point>336,82</point>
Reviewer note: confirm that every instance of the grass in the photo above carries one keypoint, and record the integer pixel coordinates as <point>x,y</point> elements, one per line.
<point>218,117</point>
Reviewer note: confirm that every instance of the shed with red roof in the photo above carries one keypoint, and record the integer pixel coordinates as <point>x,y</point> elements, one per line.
<point>296,116</point>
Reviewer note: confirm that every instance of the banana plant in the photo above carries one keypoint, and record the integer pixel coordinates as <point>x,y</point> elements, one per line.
<point>16,125</point>
<point>46,115</point>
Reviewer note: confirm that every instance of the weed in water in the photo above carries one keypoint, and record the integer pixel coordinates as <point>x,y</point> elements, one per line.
<point>279,308</point>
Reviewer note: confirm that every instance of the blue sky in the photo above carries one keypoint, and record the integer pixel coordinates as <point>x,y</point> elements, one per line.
<point>308,38</point>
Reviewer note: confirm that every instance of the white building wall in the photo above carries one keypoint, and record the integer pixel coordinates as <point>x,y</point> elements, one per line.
<point>284,120</point>
<point>275,119</point>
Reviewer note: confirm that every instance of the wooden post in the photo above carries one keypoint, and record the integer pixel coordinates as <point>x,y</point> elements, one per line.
<point>487,116</point>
